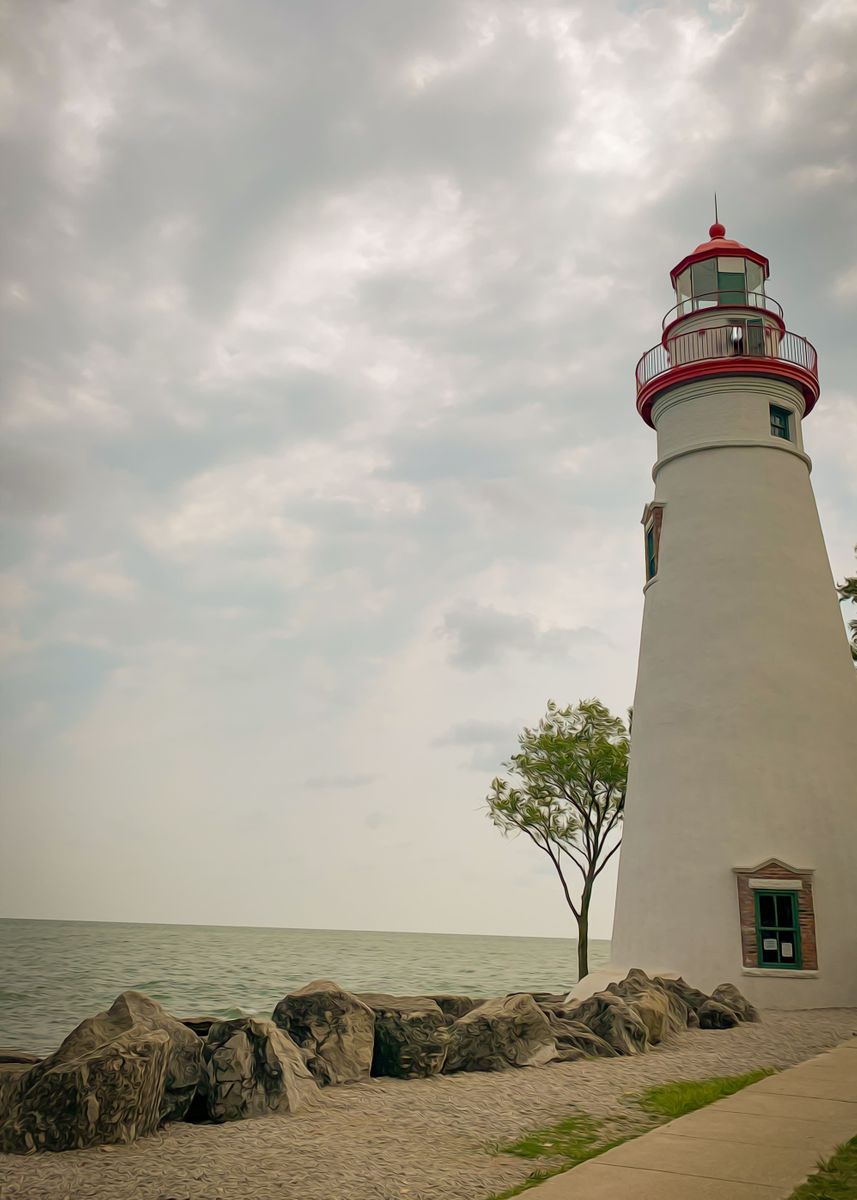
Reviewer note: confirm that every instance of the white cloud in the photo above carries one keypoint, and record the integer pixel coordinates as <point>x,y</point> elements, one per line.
<point>321,456</point>
<point>102,576</point>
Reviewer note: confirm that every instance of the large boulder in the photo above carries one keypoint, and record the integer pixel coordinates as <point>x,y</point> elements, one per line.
<point>85,1093</point>
<point>111,1092</point>
<point>200,1025</point>
<point>334,1029</point>
<point>729,996</point>
<point>411,1035</point>
<point>664,1013</point>
<point>575,1040</point>
<point>252,1069</point>
<point>452,1006</point>
<point>12,1075</point>
<point>691,996</point>
<point>714,1015</point>
<point>508,1032</point>
<point>614,1020</point>
<point>133,1012</point>
<point>545,1000</point>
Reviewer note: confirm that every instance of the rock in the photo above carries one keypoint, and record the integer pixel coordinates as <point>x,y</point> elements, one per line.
<point>11,1079</point>
<point>334,1029</point>
<point>411,1035</point>
<point>84,1094</point>
<point>7,1055</point>
<point>692,997</point>
<point>200,1025</point>
<point>509,1032</point>
<point>664,1013</point>
<point>111,1092</point>
<point>132,1011</point>
<point>454,1006</point>
<point>714,1015</point>
<point>575,1040</point>
<point>612,1018</point>
<point>252,1068</point>
<point>545,999</point>
<point>729,996</point>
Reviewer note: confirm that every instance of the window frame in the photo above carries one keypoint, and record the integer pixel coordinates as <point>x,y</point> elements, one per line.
<point>651,551</point>
<point>777,930</point>
<point>777,411</point>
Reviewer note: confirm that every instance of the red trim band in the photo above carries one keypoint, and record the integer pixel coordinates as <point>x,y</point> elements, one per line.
<point>711,368</point>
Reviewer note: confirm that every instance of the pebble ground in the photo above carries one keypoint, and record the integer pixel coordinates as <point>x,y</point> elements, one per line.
<point>388,1139</point>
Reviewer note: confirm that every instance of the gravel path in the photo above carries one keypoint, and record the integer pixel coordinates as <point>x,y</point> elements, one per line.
<point>420,1139</point>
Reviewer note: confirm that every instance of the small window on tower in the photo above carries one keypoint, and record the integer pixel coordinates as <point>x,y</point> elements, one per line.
<point>651,552</point>
<point>653,516</point>
<point>780,427</point>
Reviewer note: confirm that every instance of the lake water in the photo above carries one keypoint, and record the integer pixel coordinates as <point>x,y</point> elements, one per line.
<point>55,973</point>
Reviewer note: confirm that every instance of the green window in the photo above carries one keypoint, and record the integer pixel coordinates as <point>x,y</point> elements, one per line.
<point>732,286</point>
<point>780,423</point>
<point>777,929</point>
<point>651,553</point>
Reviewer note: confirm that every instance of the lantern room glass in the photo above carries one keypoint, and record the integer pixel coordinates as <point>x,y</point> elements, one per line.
<point>720,281</point>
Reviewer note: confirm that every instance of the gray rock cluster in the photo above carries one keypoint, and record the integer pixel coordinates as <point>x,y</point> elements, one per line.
<point>122,1073</point>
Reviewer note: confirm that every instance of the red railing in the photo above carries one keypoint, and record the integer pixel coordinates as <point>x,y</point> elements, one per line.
<point>727,341</point>
<point>725,299</point>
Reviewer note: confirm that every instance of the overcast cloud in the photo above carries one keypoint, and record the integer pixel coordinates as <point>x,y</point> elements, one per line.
<point>321,465</point>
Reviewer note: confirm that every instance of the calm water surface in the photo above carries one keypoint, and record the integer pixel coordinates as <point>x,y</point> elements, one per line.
<point>55,973</point>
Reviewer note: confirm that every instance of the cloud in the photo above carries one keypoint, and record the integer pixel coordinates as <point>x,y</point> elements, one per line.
<point>339,782</point>
<point>490,742</point>
<point>482,635</point>
<point>103,576</point>
<point>321,466</point>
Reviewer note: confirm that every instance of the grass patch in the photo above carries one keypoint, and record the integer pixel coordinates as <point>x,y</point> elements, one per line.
<point>573,1141</point>
<point>672,1100</point>
<point>836,1179</point>
<point>576,1139</point>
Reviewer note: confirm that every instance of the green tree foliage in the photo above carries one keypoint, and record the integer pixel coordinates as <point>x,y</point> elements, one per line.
<point>566,793</point>
<point>848,593</point>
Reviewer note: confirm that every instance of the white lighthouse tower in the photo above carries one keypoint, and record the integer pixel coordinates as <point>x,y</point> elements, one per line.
<point>739,860</point>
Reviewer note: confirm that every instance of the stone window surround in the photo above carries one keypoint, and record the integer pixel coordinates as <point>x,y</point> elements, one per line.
<point>653,517</point>
<point>774,874</point>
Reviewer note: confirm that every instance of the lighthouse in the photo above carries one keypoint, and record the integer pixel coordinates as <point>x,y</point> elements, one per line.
<point>739,859</point>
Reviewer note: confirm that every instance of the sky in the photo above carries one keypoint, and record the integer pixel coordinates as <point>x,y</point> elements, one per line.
<point>321,468</point>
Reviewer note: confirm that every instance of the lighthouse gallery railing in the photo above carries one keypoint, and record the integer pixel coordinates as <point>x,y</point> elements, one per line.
<point>726,341</point>
<point>724,299</point>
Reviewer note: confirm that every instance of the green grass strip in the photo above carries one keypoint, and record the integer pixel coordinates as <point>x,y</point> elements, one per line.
<point>578,1138</point>
<point>574,1140</point>
<point>836,1178</point>
<point>672,1100</point>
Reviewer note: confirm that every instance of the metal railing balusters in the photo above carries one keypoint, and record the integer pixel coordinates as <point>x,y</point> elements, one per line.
<point>725,341</point>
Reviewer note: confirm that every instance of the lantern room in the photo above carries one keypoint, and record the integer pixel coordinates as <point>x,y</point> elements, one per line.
<point>719,272</point>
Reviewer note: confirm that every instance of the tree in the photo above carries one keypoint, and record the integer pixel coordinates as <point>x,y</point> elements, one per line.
<point>567,795</point>
<point>848,591</point>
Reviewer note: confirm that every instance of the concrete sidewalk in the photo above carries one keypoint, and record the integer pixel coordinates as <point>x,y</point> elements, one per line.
<point>759,1144</point>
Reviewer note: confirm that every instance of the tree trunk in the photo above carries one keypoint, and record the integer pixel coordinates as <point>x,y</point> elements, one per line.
<point>583,939</point>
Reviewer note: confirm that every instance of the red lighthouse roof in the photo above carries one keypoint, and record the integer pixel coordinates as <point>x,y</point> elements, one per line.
<point>719,244</point>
